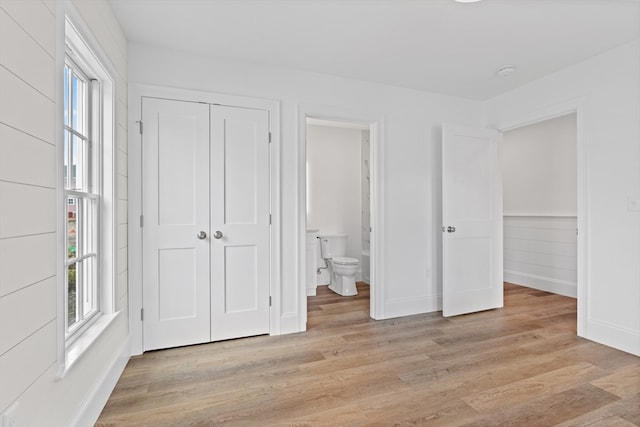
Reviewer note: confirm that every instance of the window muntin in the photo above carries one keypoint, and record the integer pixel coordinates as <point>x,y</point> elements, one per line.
<point>82,195</point>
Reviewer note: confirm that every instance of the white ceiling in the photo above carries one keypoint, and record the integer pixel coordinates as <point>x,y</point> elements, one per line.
<point>434,45</point>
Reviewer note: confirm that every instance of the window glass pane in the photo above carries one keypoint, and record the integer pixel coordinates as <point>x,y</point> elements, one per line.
<point>86,225</point>
<point>72,288</point>
<point>72,207</point>
<point>78,104</point>
<point>66,95</point>
<point>67,175</point>
<point>78,164</point>
<point>88,282</point>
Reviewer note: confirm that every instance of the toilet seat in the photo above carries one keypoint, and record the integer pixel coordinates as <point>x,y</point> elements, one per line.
<point>345,260</point>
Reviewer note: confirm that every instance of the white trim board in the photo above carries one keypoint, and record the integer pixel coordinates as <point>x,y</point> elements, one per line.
<point>546,284</point>
<point>136,92</point>
<point>92,406</point>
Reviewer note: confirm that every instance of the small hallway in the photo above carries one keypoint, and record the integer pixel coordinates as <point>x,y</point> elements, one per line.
<point>519,365</point>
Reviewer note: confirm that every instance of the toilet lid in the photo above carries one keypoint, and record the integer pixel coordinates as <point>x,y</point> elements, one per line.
<point>345,260</point>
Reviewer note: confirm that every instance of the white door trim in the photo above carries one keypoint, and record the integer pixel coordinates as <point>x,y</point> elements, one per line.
<point>579,107</point>
<point>136,92</point>
<point>376,126</point>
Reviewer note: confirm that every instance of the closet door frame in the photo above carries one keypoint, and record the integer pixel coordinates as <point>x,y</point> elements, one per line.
<point>134,152</point>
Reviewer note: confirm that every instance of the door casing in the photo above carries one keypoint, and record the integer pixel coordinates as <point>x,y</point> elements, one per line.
<point>376,128</point>
<point>579,107</point>
<point>136,92</point>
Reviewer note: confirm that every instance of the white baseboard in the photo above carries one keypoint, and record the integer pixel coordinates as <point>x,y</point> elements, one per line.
<point>98,397</point>
<point>311,292</point>
<point>415,305</point>
<point>613,336</point>
<point>547,284</point>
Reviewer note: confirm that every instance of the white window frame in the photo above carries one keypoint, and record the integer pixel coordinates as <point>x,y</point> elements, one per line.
<point>85,52</point>
<point>89,191</point>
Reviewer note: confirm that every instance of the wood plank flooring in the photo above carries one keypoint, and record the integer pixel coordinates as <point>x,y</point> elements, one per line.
<point>519,366</point>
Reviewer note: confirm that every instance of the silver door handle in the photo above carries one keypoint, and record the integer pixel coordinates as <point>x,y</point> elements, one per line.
<point>202,235</point>
<point>217,235</point>
<point>451,229</point>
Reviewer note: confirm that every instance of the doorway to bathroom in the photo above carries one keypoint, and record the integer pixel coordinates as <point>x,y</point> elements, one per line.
<point>338,201</point>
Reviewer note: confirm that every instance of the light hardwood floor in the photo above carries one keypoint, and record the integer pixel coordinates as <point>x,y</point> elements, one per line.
<point>521,365</point>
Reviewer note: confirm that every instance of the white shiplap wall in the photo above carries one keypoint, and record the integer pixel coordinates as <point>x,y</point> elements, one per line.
<point>540,252</point>
<point>29,53</point>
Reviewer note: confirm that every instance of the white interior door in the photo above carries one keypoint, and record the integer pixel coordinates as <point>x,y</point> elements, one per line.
<point>472,219</point>
<point>175,189</point>
<point>239,222</point>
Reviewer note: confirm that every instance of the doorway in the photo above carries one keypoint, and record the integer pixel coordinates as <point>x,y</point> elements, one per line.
<point>363,123</point>
<point>206,238</point>
<point>540,205</point>
<point>338,196</point>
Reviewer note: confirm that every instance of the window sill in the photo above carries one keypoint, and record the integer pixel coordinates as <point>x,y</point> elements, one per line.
<point>79,347</point>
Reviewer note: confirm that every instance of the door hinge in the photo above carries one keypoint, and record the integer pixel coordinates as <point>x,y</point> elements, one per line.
<point>269,300</point>
<point>142,314</point>
<point>269,137</point>
<point>269,219</point>
<point>140,126</point>
<point>141,221</point>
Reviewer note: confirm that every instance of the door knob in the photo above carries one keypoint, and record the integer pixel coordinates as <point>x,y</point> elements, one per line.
<point>451,229</point>
<point>202,235</point>
<point>217,235</point>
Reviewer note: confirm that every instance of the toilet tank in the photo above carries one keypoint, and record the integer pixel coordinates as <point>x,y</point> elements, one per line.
<point>333,245</point>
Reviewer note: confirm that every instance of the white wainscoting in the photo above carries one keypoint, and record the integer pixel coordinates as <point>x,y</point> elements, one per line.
<point>540,252</point>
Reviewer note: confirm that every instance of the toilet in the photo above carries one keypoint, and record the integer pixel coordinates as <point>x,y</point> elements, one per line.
<point>342,269</point>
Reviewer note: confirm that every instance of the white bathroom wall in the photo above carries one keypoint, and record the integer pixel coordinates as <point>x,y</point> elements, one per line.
<point>333,186</point>
<point>609,98</point>
<point>540,196</point>
<point>365,185</point>
<point>409,159</point>
<point>31,61</point>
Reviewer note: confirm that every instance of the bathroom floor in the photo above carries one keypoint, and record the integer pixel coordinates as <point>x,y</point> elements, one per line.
<point>520,365</point>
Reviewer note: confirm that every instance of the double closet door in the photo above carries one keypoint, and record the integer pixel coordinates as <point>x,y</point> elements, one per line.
<point>205,190</point>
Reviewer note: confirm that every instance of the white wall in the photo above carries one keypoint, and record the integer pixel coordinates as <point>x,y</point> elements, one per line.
<point>609,98</point>
<point>539,168</point>
<point>410,156</point>
<point>333,185</point>
<point>365,223</point>
<point>31,37</point>
<point>540,197</point>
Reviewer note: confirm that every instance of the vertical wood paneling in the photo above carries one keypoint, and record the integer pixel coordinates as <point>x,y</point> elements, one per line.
<point>541,252</point>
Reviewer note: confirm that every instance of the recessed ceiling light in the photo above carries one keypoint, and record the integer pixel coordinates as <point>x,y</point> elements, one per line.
<point>467,1</point>
<point>506,70</point>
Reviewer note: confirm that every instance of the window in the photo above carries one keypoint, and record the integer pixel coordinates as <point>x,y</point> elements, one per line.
<point>82,192</point>
<point>87,197</point>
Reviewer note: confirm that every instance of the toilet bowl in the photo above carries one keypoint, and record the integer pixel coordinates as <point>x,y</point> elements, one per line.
<point>343,276</point>
<point>342,269</point>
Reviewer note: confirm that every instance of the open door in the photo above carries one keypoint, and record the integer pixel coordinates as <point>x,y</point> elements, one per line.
<point>472,220</point>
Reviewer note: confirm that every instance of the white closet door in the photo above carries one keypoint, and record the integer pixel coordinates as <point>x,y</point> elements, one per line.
<point>175,181</point>
<point>472,219</point>
<point>240,216</point>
